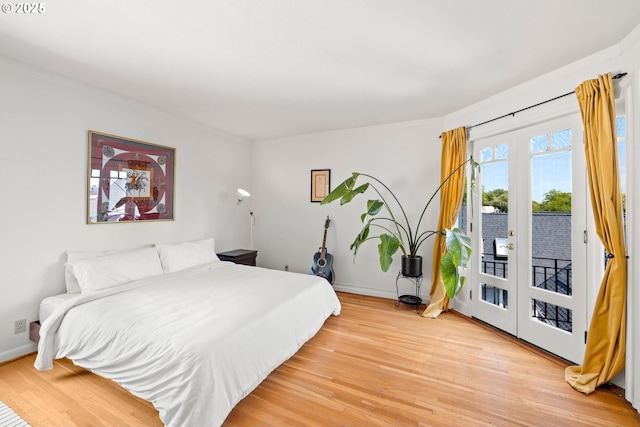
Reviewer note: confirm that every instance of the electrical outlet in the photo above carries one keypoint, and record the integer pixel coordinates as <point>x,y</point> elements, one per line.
<point>20,326</point>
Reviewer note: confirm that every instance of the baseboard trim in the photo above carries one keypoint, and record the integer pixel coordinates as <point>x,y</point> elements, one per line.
<point>17,353</point>
<point>381,293</point>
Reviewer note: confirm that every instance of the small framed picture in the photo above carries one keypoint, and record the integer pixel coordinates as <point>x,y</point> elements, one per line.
<point>320,184</point>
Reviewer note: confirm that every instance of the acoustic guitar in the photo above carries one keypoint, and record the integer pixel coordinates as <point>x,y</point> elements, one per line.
<point>323,260</point>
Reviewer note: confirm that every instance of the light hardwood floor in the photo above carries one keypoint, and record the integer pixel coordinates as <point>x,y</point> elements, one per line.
<point>374,365</point>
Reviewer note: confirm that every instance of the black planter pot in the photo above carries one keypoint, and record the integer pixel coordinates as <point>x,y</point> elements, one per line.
<point>412,266</point>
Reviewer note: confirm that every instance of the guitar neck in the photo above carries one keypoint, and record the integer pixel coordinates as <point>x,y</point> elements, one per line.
<point>324,242</point>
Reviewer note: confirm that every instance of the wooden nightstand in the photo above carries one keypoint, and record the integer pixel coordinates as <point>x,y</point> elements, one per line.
<point>239,256</point>
<point>34,331</point>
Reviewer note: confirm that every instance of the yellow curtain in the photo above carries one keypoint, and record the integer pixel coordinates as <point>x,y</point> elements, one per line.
<point>454,153</point>
<point>605,352</point>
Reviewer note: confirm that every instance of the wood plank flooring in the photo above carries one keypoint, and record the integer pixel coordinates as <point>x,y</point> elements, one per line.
<point>374,365</point>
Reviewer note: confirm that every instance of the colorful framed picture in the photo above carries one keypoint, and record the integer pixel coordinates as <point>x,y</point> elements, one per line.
<point>320,184</point>
<point>129,180</point>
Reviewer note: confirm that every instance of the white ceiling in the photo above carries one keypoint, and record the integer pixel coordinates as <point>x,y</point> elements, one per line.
<point>268,68</point>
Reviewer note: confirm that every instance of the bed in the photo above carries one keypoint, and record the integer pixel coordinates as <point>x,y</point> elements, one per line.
<point>192,335</point>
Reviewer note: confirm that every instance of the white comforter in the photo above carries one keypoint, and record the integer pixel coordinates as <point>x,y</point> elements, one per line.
<point>193,343</point>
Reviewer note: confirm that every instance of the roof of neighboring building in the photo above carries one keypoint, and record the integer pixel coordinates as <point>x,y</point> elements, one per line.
<point>550,232</point>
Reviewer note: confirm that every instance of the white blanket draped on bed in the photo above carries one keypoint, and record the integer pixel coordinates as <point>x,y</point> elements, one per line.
<point>193,343</point>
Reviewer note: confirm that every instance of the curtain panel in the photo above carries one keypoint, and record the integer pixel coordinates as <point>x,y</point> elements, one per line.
<point>454,153</point>
<point>605,350</point>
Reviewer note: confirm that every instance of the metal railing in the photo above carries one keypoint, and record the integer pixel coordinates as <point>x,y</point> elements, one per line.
<point>555,277</point>
<point>552,274</point>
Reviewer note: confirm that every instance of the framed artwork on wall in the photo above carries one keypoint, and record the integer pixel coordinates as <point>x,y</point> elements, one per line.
<point>320,184</point>
<point>129,180</point>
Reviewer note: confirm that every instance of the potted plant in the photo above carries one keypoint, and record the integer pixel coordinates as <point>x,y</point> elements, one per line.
<point>396,232</point>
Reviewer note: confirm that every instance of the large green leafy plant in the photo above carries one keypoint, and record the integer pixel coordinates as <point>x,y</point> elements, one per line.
<point>385,219</point>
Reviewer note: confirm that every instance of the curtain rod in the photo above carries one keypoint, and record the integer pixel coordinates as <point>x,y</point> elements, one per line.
<point>617,76</point>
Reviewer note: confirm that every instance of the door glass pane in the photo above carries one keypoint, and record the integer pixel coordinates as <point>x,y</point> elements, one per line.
<point>551,226</point>
<point>495,296</point>
<point>561,139</point>
<point>555,278</point>
<point>487,154</point>
<point>553,315</point>
<point>462,213</point>
<point>551,215</point>
<point>539,144</point>
<point>502,151</point>
<point>621,127</point>
<point>495,212</point>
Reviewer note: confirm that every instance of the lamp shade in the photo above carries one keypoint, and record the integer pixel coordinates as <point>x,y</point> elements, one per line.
<point>242,193</point>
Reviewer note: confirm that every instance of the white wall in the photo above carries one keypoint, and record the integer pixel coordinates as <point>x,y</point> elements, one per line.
<point>43,157</point>
<point>289,228</point>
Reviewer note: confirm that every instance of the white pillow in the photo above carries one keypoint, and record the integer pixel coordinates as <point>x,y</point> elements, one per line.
<point>70,280</point>
<point>116,269</point>
<point>178,256</point>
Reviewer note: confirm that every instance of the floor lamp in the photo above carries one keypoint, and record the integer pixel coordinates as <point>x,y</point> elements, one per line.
<point>244,194</point>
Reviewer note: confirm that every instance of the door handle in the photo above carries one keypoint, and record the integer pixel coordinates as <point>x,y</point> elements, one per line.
<point>511,246</point>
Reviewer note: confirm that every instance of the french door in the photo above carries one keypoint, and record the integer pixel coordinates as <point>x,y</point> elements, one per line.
<point>529,235</point>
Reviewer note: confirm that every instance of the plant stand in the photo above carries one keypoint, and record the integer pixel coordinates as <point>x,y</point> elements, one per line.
<point>409,299</point>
